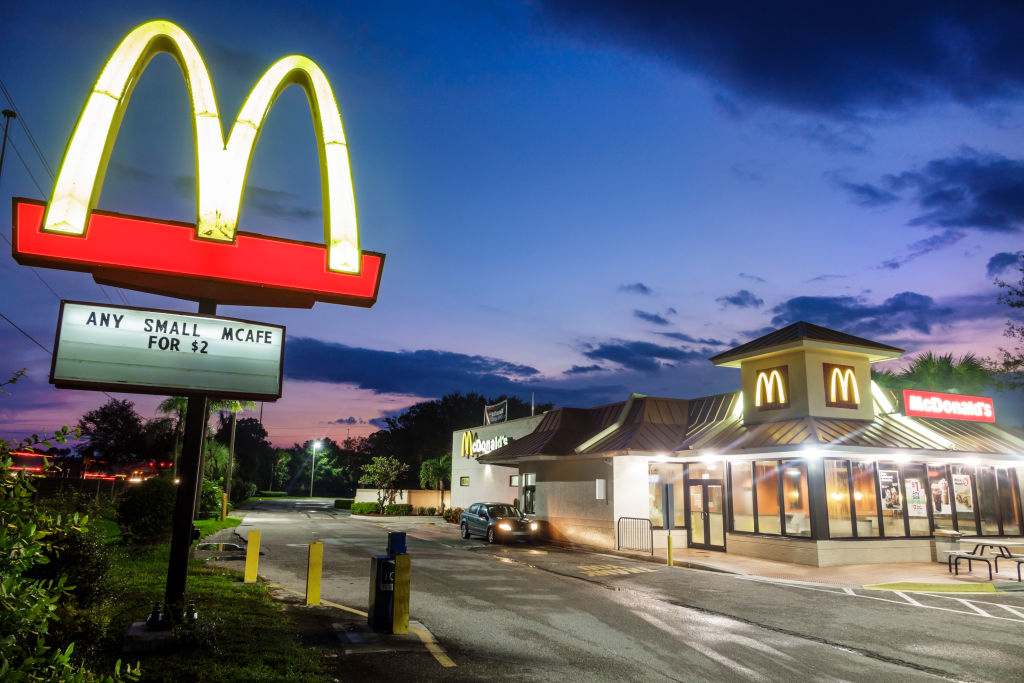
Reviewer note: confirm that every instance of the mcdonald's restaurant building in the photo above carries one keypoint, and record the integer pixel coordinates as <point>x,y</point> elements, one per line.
<point>809,462</point>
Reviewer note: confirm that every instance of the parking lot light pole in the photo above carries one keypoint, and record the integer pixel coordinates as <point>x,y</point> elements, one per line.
<point>312,470</point>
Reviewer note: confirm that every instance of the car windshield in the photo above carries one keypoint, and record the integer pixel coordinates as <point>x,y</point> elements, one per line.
<point>504,511</point>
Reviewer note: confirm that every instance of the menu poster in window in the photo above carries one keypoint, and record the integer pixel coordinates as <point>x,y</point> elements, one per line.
<point>940,497</point>
<point>889,481</point>
<point>917,505</point>
<point>962,493</point>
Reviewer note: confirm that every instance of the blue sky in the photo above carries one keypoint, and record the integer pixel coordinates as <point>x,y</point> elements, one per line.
<point>579,199</point>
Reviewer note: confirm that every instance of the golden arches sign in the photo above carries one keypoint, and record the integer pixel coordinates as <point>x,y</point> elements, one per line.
<point>843,383</point>
<point>771,382</point>
<point>466,449</point>
<point>221,167</point>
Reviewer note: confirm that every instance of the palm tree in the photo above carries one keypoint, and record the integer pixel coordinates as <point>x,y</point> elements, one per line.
<point>964,375</point>
<point>434,474</point>
<point>234,406</point>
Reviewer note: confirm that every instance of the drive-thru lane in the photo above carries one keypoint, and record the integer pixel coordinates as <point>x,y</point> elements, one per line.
<point>540,612</point>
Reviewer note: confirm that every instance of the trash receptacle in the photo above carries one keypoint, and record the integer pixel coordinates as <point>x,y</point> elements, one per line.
<point>382,593</point>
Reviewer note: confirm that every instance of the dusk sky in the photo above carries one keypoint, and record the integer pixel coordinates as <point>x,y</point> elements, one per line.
<point>580,199</point>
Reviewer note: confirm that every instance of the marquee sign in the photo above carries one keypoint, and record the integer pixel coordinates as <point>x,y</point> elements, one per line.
<point>211,259</point>
<point>948,406</point>
<point>116,348</point>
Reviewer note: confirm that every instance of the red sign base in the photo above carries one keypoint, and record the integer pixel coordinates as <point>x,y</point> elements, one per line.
<point>164,257</point>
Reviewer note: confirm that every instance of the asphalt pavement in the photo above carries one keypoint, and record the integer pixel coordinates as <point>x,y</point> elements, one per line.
<point>532,612</point>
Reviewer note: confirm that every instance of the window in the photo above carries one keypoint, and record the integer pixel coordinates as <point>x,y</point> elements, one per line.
<point>987,501</point>
<point>513,480</point>
<point>963,499</point>
<point>659,473</point>
<point>1008,503</point>
<point>529,493</point>
<point>865,504</point>
<point>742,482</point>
<point>463,481</point>
<point>768,513</point>
<point>939,490</point>
<point>795,499</point>
<point>893,508</point>
<point>837,493</point>
<point>601,489</point>
<point>915,487</point>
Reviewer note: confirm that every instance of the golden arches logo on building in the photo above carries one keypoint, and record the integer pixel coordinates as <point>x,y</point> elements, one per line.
<point>349,275</point>
<point>771,388</point>
<point>841,389</point>
<point>466,450</point>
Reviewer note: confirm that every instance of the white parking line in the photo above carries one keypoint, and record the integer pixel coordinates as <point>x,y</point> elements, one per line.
<point>1009,609</point>
<point>909,599</point>
<point>906,602</point>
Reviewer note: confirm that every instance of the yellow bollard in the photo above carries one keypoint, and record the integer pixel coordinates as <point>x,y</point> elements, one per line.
<point>252,556</point>
<point>400,607</point>
<point>671,561</point>
<point>223,506</point>
<point>314,569</point>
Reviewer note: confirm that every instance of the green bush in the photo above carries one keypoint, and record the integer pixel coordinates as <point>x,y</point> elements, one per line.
<point>398,509</point>
<point>146,511</point>
<point>210,498</point>
<point>242,490</point>
<point>453,514</point>
<point>421,510</point>
<point>365,508</point>
<point>431,511</point>
<point>344,503</point>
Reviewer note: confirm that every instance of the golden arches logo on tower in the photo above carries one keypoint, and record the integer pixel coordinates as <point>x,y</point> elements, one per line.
<point>350,275</point>
<point>841,386</point>
<point>771,388</point>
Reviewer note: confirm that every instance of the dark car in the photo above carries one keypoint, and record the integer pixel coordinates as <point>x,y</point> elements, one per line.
<point>497,522</point>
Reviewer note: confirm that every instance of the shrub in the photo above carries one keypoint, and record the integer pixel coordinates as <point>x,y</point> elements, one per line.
<point>145,512</point>
<point>431,511</point>
<point>453,514</point>
<point>242,490</point>
<point>398,509</point>
<point>365,508</point>
<point>421,510</point>
<point>209,499</point>
<point>343,503</point>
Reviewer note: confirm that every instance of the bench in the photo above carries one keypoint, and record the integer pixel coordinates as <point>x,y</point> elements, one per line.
<point>954,564</point>
<point>1019,559</point>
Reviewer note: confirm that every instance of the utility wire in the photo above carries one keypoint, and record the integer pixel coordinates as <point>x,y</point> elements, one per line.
<point>27,169</point>
<point>30,337</point>
<point>31,138</point>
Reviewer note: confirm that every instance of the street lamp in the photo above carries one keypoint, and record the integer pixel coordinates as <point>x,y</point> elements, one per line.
<point>312,470</point>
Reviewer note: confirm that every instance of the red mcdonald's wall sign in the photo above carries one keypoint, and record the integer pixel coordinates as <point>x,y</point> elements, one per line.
<point>948,406</point>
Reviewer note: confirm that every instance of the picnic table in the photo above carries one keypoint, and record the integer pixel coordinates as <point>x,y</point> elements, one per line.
<point>1001,549</point>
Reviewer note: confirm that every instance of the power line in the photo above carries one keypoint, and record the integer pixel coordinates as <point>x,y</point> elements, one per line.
<point>30,337</point>
<point>27,169</point>
<point>31,138</point>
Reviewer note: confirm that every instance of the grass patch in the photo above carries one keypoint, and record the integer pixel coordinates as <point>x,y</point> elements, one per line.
<point>212,526</point>
<point>241,634</point>
<point>934,587</point>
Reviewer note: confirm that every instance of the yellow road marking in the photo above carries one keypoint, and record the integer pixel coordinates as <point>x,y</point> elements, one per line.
<point>423,634</point>
<point>611,569</point>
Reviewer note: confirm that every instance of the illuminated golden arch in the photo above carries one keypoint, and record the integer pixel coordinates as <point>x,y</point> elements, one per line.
<point>220,168</point>
<point>466,450</point>
<point>768,380</point>
<point>844,379</point>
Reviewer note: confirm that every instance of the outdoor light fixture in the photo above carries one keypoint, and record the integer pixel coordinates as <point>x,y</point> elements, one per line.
<point>312,470</point>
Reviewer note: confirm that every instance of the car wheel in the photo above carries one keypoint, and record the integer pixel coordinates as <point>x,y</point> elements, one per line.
<point>465,530</point>
<point>490,534</point>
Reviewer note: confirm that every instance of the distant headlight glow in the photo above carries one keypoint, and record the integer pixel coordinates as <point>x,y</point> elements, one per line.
<point>505,526</point>
<point>533,526</point>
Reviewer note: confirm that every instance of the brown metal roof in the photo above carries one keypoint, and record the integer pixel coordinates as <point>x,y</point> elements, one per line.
<point>653,424</point>
<point>796,332</point>
<point>559,433</point>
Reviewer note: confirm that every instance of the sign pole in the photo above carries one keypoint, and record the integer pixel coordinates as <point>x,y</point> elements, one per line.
<point>184,504</point>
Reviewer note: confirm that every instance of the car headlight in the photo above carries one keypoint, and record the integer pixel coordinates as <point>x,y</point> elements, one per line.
<point>533,526</point>
<point>505,526</point>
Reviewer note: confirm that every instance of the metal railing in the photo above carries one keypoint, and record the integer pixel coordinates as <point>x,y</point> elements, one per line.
<point>634,533</point>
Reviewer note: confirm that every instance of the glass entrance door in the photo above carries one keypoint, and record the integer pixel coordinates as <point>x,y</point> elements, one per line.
<point>706,520</point>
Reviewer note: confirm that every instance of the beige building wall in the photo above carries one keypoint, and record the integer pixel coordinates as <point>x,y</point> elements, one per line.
<point>567,499</point>
<point>418,498</point>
